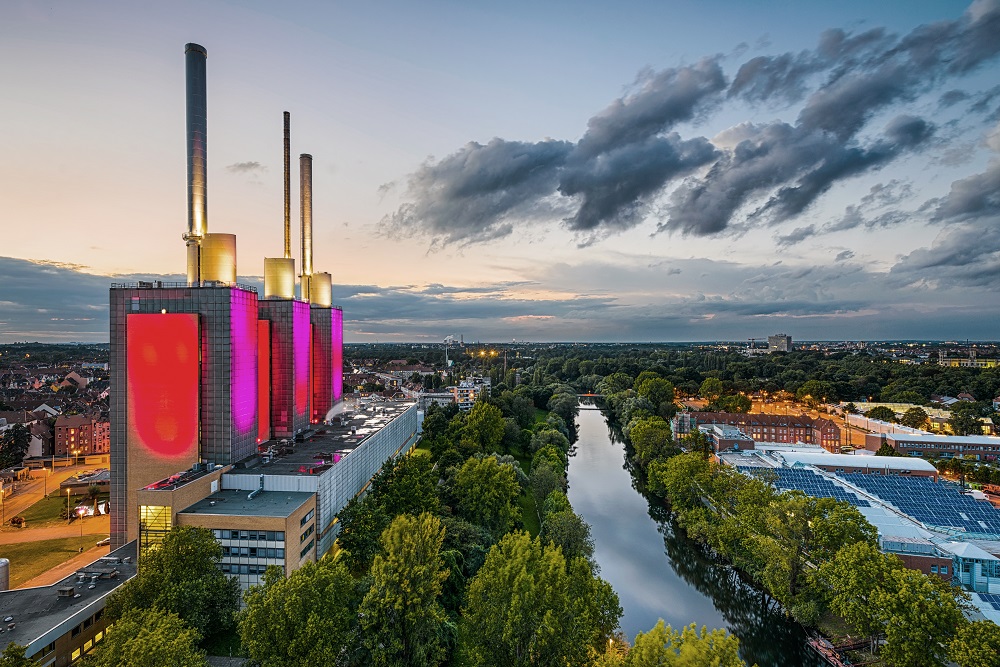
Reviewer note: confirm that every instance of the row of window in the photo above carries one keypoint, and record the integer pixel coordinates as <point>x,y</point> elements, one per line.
<point>87,623</point>
<point>234,568</point>
<point>269,535</point>
<point>307,533</point>
<point>254,552</point>
<point>943,570</point>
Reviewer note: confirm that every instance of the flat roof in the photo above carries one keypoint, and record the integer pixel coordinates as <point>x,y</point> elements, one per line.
<point>38,610</point>
<point>946,439</point>
<point>852,461</point>
<point>234,502</point>
<point>322,449</point>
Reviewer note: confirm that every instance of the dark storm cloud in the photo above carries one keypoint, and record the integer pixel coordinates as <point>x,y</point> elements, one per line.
<point>963,255</point>
<point>976,196</point>
<point>662,100</point>
<point>632,162</point>
<point>476,193</point>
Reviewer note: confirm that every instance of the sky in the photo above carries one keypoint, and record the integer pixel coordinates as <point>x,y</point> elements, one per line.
<point>541,171</point>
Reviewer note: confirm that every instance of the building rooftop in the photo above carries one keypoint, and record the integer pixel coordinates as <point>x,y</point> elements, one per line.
<point>237,503</point>
<point>911,464</point>
<point>324,448</point>
<point>946,439</point>
<point>38,610</point>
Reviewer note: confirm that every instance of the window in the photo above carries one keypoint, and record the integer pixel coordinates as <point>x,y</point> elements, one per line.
<point>944,569</point>
<point>99,615</point>
<point>76,631</point>
<point>302,554</point>
<point>98,637</point>
<point>75,656</point>
<point>48,648</point>
<point>307,533</point>
<point>934,569</point>
<point>89,622</point>
<point>87,646</point>
<point>306,518</point>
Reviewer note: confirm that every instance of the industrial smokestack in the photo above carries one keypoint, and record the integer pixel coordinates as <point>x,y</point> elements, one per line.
<point>305,182</point>
<point>288,192</point>
<point>197,152</point>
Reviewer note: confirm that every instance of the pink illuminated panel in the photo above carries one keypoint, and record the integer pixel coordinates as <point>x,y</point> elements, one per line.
<point>243,362</point>
<point>337,334</point>
<point>162,359</point>
<point>302,351</point>
<point>263,380</point>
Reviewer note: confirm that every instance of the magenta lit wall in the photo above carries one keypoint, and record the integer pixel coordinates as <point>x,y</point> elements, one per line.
<point>243,319</point>
<point>302,336</point>
<point>337,334</point>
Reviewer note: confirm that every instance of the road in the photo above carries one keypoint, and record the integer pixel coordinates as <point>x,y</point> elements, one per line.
<point>93,525</point>
<point>29,492</point>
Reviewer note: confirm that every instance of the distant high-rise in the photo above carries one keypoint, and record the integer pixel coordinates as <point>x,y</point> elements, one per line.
<point>779,343</point>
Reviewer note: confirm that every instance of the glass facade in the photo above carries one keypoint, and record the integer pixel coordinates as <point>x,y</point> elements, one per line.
<point>154,523</point>
<point>247,553</point>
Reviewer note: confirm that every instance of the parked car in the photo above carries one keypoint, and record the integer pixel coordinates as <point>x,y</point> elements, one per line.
<point>105,542</point>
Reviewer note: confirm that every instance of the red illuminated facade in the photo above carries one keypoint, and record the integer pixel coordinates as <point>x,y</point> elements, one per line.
<point>163,383</point>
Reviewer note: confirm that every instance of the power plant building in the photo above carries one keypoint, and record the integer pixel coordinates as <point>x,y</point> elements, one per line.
<point>222,400</point>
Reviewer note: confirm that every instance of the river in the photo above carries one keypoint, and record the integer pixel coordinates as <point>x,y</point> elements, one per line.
<point>658,572</point>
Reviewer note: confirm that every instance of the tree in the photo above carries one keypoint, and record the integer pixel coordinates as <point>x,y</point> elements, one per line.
<point>737,403</point>
<point>181,575</point>
<point>914,418</point>
<point>665,647</point>
<point>966,418</point>
<point>304,619</point>
<point>14,445</point>
<point>921,614</point>
<point>149,638</point>
<point>528,606</point>
<point>402,620</point>
<point>651,439</point>
<point>567,530</point>
<point>881,413</point>
<point>487,494</point>
<point>656,390</point>
<point>710,389</point>
<point>976,644</point>
<point>13,656</point>
<point>484,428</point>
<point>856,575</point>
<point>816,391</point>
<point>544,480</point>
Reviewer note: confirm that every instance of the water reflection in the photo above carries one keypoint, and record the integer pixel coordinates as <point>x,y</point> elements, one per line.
<point>656,570</point>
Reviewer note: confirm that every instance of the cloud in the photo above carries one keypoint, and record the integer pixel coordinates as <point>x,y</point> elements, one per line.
<point>473,194</point>
<point>844,255</point>
<point>633,161</point>
<point>253,168</point>
<point>963,255</point>
<point>975,196</point>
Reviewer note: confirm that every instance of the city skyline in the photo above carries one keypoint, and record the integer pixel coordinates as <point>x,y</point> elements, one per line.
<point>699,172</point>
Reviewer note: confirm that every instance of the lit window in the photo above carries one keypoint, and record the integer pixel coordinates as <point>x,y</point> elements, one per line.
<point>75,656</point>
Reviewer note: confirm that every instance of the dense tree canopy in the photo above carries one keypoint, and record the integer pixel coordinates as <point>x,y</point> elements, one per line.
<point>307,618</point>
<point>149,638</point>
<point>181,575</point>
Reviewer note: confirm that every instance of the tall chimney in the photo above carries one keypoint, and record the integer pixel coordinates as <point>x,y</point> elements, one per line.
<point>197,152</point>
<point>305,182</point>
<point>288,193</point>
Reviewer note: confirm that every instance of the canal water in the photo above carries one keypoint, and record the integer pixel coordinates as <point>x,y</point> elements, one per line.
<point>658,572</point>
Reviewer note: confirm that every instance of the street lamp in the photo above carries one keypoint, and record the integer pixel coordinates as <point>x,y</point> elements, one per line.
<point>69,517</point>
<point>79,513</point>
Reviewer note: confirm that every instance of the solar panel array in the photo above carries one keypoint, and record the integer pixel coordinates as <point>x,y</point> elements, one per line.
<point>807,481</point>
<point>992,598</point>
<point>931,503</point>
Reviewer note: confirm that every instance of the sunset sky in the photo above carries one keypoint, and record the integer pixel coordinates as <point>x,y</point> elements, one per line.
<point>594,171</point>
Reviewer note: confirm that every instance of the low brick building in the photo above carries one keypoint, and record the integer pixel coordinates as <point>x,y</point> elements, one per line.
<point>82,435</point>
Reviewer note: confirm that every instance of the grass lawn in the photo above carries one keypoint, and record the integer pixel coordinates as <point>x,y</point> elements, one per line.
<point>541,415</point>
<point>48,511</point>
<point>421,448</point>
<point>30,559</point>
<point>529,514</point>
